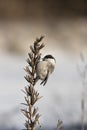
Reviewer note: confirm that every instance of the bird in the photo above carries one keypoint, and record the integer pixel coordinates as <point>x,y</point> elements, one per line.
<point>45,68</point>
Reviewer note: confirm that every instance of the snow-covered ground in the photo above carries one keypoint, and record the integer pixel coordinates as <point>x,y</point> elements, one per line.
<point>61,95</point>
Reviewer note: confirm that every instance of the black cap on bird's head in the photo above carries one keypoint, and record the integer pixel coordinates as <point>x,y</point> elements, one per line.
<point>48,57</point>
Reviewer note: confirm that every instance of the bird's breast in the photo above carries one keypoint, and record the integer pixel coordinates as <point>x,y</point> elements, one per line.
<point>42,69</point>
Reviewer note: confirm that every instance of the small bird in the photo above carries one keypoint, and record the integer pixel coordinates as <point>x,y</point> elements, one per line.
<point>45,68</point>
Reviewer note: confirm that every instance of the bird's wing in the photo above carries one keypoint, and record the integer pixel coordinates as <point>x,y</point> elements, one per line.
<point>46,78</point>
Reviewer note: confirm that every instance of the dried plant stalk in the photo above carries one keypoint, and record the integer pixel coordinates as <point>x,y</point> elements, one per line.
<point>83,77</point>
<point>83,74</point>
<point>59,125</point>
<point>31,95</point>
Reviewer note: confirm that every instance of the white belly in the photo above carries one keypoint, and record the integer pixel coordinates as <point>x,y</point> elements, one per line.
<point>42,69</point>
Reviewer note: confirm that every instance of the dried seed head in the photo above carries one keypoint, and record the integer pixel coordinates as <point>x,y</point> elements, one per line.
<point>32,96</point>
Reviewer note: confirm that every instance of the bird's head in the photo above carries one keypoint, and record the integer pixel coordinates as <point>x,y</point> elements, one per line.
<point>50,59</point>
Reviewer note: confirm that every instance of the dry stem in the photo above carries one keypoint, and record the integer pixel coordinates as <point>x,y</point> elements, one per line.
<point>31,95</point>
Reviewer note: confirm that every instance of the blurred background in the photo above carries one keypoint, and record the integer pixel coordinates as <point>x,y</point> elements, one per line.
<point>64,25</point>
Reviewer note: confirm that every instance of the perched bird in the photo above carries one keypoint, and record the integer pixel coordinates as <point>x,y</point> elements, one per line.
<point>45,68</point>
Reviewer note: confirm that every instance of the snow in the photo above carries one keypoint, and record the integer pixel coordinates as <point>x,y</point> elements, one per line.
<point>61,95</point>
